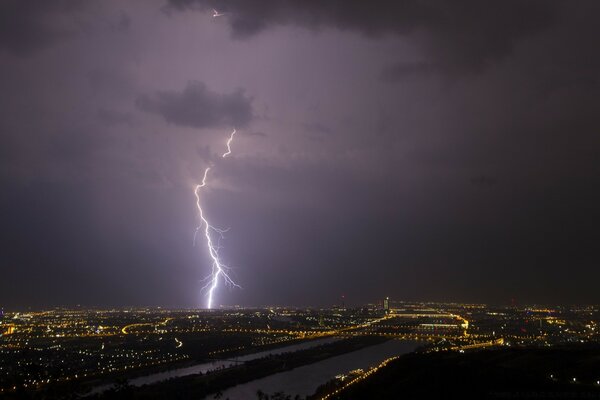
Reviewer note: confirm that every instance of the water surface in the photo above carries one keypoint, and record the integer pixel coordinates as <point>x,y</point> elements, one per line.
<point>306,379</point>
<point>217,364</point>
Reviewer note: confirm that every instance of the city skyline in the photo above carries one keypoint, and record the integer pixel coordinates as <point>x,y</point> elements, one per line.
<point>97,346</point>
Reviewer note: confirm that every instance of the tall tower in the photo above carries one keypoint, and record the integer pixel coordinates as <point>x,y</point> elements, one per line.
<point>386,305</point>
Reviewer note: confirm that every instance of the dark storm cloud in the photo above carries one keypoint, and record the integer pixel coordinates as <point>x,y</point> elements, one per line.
<point>480,187</point>
<point>109,81</point>
<point>461,35</point>
<point>316,127</point>
<point>124,23</point>
<point>401,71</point>
<point>114,117</point>
<point>483,180</point>
<point>199,107</point>
<point>29,26</point>
<point>256,133</point>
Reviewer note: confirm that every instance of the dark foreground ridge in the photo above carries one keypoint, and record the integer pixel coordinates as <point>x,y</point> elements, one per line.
<point>485,374</point>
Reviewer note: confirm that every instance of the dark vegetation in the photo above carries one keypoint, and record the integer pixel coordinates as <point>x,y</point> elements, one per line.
<point>486,374</point>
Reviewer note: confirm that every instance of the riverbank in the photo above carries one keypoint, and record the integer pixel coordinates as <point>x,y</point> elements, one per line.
<point>193,350</point>
<point>305,380</point>
<point>199,386</point>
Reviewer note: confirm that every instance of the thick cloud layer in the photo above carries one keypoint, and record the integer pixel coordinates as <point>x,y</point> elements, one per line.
<point>418,149</point>
<point>29,26</point>
<point>198,107</point>
<point>466,34</point>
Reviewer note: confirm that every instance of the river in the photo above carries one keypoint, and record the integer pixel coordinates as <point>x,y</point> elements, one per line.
<point>217,364</point>
<point>306,379</point>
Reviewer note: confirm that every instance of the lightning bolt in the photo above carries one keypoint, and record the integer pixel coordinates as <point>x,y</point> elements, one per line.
<point>228,152</point>
<point>218,269</point>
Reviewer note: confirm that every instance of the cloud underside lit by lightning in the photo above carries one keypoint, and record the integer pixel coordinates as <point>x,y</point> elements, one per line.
<point>218,269</point>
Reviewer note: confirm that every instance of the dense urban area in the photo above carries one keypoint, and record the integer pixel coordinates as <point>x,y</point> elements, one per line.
<point>99,353</point>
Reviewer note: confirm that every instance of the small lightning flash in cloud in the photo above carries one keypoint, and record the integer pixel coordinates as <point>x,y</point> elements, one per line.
<point>228,152</point>
<point>218,269</point>
<point>217,14</point>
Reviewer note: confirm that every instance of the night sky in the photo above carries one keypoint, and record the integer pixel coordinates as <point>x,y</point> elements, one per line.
<point>423,150</point>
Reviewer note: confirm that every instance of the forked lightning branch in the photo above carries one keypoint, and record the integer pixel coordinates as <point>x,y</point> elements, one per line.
<point>219,271</point>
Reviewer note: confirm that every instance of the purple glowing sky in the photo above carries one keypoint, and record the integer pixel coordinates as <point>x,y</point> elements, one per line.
<point>421,150</point>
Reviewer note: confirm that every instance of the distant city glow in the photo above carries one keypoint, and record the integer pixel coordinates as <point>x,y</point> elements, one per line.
<point>138,338</point>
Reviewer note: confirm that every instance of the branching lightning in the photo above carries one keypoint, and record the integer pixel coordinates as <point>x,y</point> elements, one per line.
<point>218,269</point>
